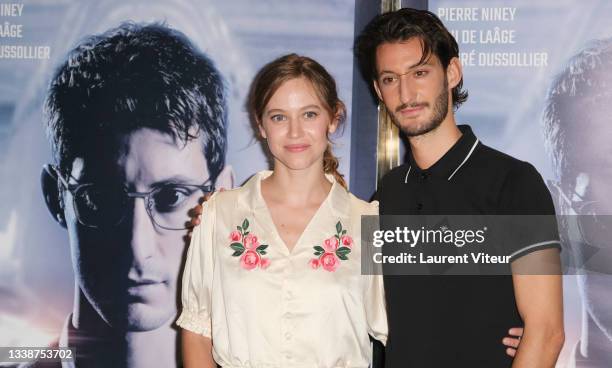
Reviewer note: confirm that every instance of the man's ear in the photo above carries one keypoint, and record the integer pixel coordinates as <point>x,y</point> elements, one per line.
<point>377,89</point>
<point>53,198</point>
<point>454,72</point>
<point>225,179</point>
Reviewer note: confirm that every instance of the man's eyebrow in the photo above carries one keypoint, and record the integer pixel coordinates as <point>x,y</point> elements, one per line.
<point>427,62</point>
<point>176,179</point>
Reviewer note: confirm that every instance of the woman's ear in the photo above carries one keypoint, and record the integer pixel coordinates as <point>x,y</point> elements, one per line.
<point>339,113</point>
<point>262,131</point>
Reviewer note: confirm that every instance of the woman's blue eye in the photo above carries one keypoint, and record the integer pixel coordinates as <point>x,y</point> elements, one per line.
<point>277,118</point>
<point>310,115</point>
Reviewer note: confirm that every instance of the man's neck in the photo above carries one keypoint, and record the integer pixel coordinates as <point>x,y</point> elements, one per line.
<point>428,148</point>
<point>102,345</point>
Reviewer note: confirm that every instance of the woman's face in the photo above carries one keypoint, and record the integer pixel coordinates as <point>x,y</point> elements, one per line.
<point>296,124</point>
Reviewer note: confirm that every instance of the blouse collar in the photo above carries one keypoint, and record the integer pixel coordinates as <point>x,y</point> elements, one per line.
<point>337,199</point>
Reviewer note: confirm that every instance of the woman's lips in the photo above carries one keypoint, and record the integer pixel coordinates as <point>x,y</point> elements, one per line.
<point>297,147</point>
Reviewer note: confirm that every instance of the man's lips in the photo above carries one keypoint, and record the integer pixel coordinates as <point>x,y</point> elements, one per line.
<point>297,147</point>
<point>140,285</point>
<point>412,110</point>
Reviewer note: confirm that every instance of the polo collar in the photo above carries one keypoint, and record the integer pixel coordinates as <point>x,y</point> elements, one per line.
<point>452,161</point>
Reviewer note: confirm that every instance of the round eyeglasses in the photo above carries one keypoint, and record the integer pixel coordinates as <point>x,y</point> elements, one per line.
<point>103,206</point>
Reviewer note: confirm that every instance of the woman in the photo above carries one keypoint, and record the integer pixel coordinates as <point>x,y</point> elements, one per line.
<point>273,273</point>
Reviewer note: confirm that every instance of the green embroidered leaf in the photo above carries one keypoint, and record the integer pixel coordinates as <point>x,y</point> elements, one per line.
<point>343,257</point>
<point>262,252</point>
<point>343,251</point>
<point>262,247</point>
<point>237,253</point>
<point>245,224</point>
<point>239,228</point>
<point>246,233</point>
<point>337,236</point>
<point>237,247</point>
<point>318,253</point>
<point>343,232</point>
<point>338,227</point>
<point>319,248</point>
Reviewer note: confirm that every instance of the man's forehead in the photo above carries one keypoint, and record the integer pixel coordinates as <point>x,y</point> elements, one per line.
<point>406,54</point>
<point>145,156</point>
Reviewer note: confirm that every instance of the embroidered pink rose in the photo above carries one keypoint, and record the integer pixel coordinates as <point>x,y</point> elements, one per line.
<point>264,263</point>
<point>235,236</point>
<point>334,250</point>
<point>250,241</point>
<point>330,245</point>
<point>329,262</point>
<point>247,247</point>
<point>250,259</point>
<point>346,241</point>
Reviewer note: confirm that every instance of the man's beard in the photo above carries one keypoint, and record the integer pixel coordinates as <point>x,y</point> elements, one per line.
<point>440,111</point>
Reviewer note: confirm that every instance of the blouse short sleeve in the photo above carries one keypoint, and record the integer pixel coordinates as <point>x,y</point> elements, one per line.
<point>197,277</point>
<point>374,299</point>
<point>376,313</point>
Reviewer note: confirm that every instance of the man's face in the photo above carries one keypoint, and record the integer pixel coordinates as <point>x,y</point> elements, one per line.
<point>591,185</point>
<point>416,95</point>
<point>129,271</point>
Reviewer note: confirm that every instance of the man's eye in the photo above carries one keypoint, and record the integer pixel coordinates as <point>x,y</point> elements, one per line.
<point>310,115</point>
<point>95,199</point>
<point>277,118</point>
<point>170,198</point>
<point>388,80</point>
<point>420,73</point>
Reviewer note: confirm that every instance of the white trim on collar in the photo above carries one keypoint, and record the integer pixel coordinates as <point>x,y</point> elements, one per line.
<point>458,167</point>
<point>408,173</point>
<point>464,160</point>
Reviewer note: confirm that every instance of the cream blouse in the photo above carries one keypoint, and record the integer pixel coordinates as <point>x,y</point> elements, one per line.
<point>264,306</point>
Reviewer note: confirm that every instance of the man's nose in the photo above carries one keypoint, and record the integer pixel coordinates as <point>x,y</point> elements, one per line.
<point>142,243</point>
<point>407,89</point>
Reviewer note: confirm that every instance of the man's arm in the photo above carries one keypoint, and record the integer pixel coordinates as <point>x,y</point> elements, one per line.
<point>539,298</point>
<point>197,350</point>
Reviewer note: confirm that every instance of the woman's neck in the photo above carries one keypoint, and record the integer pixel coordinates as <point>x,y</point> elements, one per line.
<point>296,187</point>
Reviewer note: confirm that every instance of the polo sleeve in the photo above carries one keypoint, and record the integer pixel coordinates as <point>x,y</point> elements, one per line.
<point>528,213</point>
<point>198,276</point>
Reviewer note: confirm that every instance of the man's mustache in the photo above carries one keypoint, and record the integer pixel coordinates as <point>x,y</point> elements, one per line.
<point>411,105</point>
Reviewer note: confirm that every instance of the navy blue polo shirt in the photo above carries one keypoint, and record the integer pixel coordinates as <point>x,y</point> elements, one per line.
<point>458,321</point>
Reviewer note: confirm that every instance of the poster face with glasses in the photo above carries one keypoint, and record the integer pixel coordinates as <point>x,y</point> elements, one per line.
<point>540,89</point>
<point>105,144</point>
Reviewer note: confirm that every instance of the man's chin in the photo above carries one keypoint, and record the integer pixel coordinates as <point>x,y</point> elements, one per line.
<point>139,317</point>
<point>147,317</point>
<point>414,128</point>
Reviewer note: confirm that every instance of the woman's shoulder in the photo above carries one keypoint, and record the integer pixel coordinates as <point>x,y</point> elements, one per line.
<point>363,207</point>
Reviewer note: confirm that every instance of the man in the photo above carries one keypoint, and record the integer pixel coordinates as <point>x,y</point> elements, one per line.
<point>442,321</point>
<point>137,123</point>
<point>578,111</point>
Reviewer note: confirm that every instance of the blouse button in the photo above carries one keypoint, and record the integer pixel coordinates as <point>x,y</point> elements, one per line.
<point>288,335</point>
